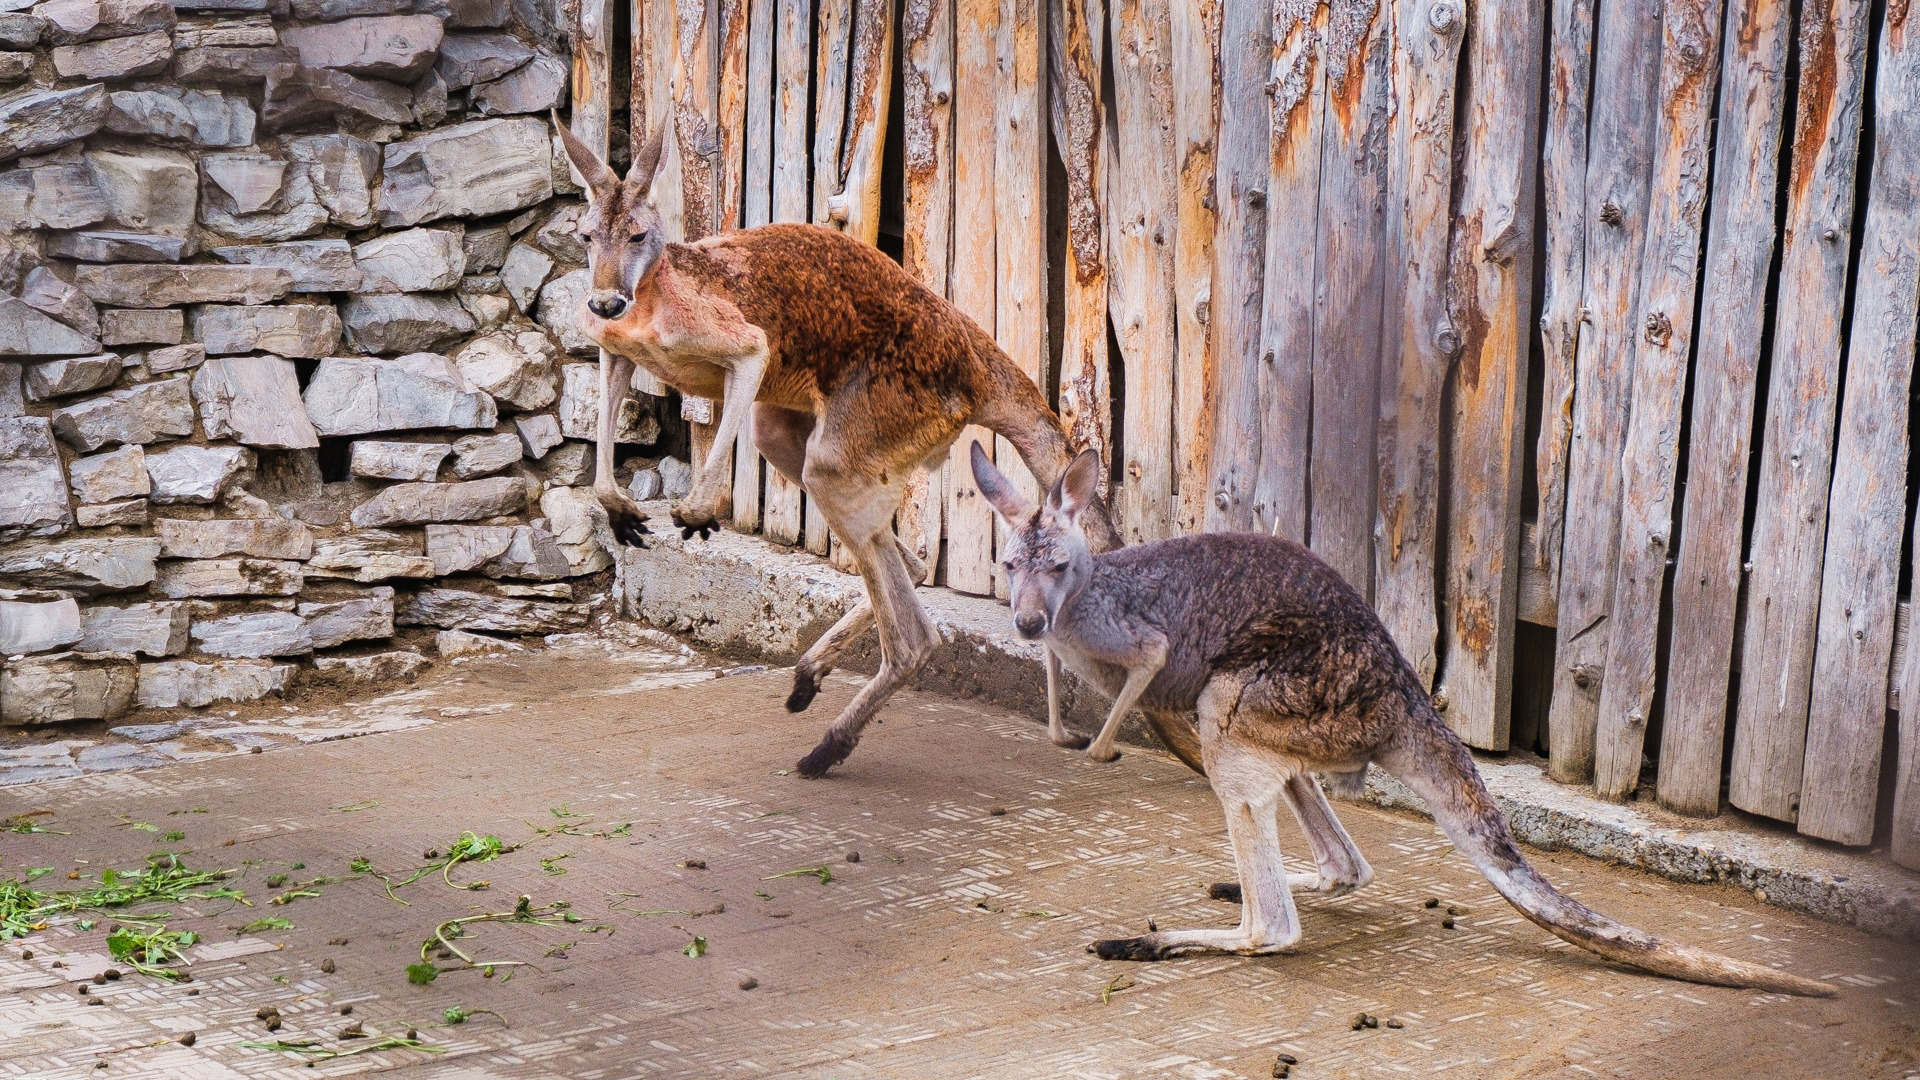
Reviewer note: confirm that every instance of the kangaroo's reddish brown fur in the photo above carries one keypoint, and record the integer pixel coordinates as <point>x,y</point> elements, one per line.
<point>850,373</point>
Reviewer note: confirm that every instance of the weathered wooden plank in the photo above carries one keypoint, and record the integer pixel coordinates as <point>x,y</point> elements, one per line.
<point>731,115</point>
<point>1142,204</point>
<point>793,62</point>
<point>1196,118</point>
<point>696,134</point>
<point>1247,59</point>
<point>1650,459</point>
<point>1417,337</point>
<point>1492,303</point>
<point>1277,424</point>
<point>926,29</point>
<point>1619,168</point>
<point>591,103</point>
<point>756,208</point>
<point>1906,773</point>
<point>1349,264</point>
<point>1076,30</point>
<point>833,29</point>
<point>969,561</point>
<point>1740,238</point>
<point>1563,194</point>
<point>1019,215</point>
<point>869,92</point>
<point>662,29</point>
<point>1860,584</point>
<point>1796,455</point>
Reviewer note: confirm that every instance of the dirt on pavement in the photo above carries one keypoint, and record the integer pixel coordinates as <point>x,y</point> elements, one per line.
<point>724,929</point>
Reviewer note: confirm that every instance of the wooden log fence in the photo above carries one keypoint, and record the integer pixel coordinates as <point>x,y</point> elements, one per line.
<point>1276,260</point>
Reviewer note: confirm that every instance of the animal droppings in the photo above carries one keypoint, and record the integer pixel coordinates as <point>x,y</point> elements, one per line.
<point>1432,902</point>
<point>749,983</point>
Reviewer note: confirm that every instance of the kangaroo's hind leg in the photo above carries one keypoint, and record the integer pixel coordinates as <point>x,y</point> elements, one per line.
<point>1342,868</point>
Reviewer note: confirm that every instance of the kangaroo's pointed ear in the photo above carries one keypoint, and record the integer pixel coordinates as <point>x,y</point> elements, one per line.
<point>999,490</point>
<point>594,174</point>
<point>1078,487</point>
<point>647,162</point>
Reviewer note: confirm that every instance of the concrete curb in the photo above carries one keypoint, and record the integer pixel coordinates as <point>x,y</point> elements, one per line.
<point>743,596</point>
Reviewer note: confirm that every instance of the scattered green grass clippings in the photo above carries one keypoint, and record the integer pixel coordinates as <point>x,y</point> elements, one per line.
<point>143,826</point>
<point>444,935</point>
<point>271,922</point>
<point>696,948</point>
<point>778,813</point>
<point>174,836</point>
<point>24,823</point>
<point>313,1051</point>
<point>825,874</point>
<point>1039,913</point>
<point>422,973</point>
<point>188,810</point>
<point>763,894</point>
<point>551,864</point>
<point>84,925</point>
<point>469,848</point>
<point>165,880</point>
<point>148,951</point>
<point>350,808</point>
<point>564,811</point>
<point>460,1014</point>
<point>38,872</point>
<point>1114,986</point>
<point>274,881</point>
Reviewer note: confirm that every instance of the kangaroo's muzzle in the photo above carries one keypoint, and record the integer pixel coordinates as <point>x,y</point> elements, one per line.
<point>1031,624</point>
<point>606,303</point>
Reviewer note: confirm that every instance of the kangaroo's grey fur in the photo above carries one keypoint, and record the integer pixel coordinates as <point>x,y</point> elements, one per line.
<point>1290,673</point>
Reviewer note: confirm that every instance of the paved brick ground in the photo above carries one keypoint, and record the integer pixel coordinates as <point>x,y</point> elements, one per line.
<point>953,948</point>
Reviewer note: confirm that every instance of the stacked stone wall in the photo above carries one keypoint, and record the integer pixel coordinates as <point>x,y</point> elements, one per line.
<point>287,354</point>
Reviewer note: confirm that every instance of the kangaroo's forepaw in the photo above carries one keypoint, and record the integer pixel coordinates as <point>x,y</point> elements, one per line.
<point>805,689</point>
<point>693,522</point>
<point>1133,948</point>
<point>1071,740</point>
<point>630,527</point>
<point>832,751</point>
<point>1104,756</point>
<point>1228,891</point>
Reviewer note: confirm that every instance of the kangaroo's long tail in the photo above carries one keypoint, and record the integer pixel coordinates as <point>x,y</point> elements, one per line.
<point>1433,762</point>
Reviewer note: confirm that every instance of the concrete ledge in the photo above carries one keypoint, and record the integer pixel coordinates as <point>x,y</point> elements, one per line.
<point>743,596</point>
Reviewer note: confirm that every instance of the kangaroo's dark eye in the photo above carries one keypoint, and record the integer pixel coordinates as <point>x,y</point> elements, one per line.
<point>1060,568</point>
<point>639,236</point>
<point>586,238</point>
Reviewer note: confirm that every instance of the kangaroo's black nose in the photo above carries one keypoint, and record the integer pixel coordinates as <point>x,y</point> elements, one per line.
<point>607,304</point>
<point>1030,623</point>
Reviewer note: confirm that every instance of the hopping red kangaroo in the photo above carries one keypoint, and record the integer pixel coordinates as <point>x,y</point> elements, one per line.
<point>850,372</point>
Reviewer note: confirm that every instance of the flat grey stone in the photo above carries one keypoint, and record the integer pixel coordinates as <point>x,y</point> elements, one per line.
<point>15,66</point>
<point>396,47</point>
<point>316,265</point>
<point>13,400</point>
<point>500,551</point>
<point>33,486</point>
<point>676,478</point>
<point>254,400</point>
<point>645,485</point>
<point>559,235</point>
<point>430,104</point>
<point>99,515</point>
<point>253,635</point>
<point>298,96</point>
<point>241,183</point>
<point>109,477</point>
<point>538,433</point>
<point>352,395</point>
<point>415,504</point>
<point>474,169</point>
<point>341,169</point>
<point>154,629</point>
<point>40,120</point>
<point>19,30</point>
<point>183,578</point>
<point>382,668</point>
<point>514,366</point>
<point>74,375</point>
<point>411,261</point>
<point>380,460</point>
<point>176,358</point>
<point>228,65</point>
<point>534,88</point>
<point>155,285</point>
<point>488,311</point>
<point>451,643</point>
<point>569,464</point>
<point>26,332</point>
<point>46,293</point>
<point>83,564</point>
<point>57,195</point>
<point>470,14</point>
<point>404,322</point>
<point>113,245</point>
<point>479,455</point>
<point>260,538</point>
<point>559,307</point>
<point>151,191</point>
<point>173,683</point>
<point>367,617</point>
<point>70,21</point>
<point>288,209</point>
<point>225,30</point>
<point>142,326</point>
<point>471,58</point>
<point>146,413</point>
<point>579,412</point>
<point>54,688</point>
<point>335,10</point>
<point>115,58</point>
<point>196,474</point>
<point>485,248</point>
<point>37,622</point>
<point>524,271</point>
<point>307,331</point>
<point>460,609</point>
<point>372,555</point>
<point>177,114</point>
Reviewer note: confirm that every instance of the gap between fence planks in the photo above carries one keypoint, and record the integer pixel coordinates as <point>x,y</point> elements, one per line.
<point>1196,117</point>
<point>1619,160</point>
<point>1796,457</point>
<point>1860,584</point>
<point>969,518</point>
<point>1650,459</point>
<point>1142,180</point>
<point>1563,194</point>
<point>1491,298</point>
<point>926,31</point>
<point>1418,339</point>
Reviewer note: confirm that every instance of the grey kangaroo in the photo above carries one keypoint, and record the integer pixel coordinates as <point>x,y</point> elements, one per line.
<point>1290,673</point>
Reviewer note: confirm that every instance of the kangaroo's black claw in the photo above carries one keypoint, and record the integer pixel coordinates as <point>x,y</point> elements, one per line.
<point>1135,948</point>
<point>1224,890</point>
<point>804,690</point>
<point>832,751</point>
<point>631,529</point>
<point>687,532</point>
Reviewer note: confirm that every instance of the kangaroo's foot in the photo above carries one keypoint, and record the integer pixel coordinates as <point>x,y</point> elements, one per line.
<point>833,749</point>
<point>629,526</point>
<point>695,519</point>
<point>1109,755</point>
<point>1070,740</point>
<point>1228,891</point>
<point>806,686</point>
<point>1168,944</point>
